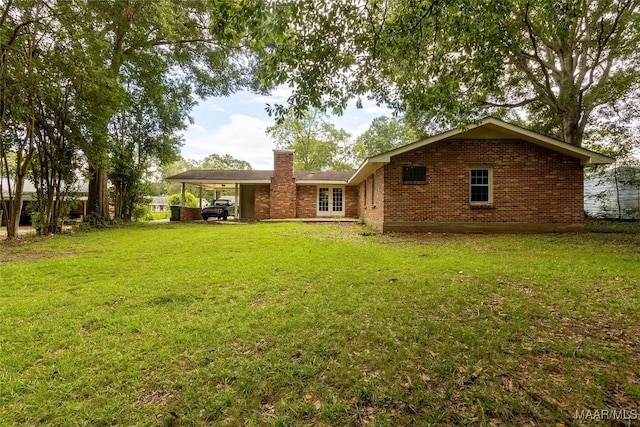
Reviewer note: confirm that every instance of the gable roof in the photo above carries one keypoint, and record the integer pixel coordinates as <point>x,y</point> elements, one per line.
<point>487,128</point>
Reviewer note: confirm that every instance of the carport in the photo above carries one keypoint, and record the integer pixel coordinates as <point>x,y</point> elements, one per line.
<point>242,182</point>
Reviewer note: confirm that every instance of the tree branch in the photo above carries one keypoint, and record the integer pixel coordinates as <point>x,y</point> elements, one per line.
<point>5,13</point>
<point>485,103</point>
<point>603,41</point>
<point>536,57</point>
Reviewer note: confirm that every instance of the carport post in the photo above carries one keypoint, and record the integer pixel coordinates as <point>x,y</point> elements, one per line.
<point>200,196</point>
<point>237,213</point>
<point>183,198</point>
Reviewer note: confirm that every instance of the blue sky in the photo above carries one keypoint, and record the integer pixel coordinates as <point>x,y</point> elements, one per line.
<point>236,125</point>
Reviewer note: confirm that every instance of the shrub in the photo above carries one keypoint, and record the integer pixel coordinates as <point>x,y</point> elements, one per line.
<point>190,200</point>
<point>140,211</point>
<point>154,216</point>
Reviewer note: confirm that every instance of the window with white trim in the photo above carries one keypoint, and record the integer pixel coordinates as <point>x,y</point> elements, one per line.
<point>480,191</point>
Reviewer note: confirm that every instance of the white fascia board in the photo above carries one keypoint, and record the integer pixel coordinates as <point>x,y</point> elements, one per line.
<point>311,182</point>
<point>220,182</point>
<point>587,157</point>
<point>367,168</point>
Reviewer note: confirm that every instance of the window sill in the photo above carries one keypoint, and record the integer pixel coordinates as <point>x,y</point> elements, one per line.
<point>481,206</point>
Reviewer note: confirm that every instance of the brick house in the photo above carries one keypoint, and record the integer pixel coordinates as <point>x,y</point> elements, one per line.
<point>281,193</point>
<point>492,176</point>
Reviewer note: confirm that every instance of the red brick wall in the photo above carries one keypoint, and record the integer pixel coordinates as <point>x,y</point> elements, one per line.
<point>190,214</point>
<point>351,202</point>
<point>531,184</point>
<point>283,186</point>
<point>371,207</point>
<point>307,196</point>
<point>262,208</point>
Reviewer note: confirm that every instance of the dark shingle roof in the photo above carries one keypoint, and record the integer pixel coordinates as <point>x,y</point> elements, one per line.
<point>207,175</point>
<point>222,175</point>
<point>323,175</point>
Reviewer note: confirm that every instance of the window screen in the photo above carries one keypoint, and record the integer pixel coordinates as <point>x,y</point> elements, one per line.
<point>414,174</point>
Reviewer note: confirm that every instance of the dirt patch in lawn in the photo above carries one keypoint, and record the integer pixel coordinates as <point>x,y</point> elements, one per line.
<point>23,250</point>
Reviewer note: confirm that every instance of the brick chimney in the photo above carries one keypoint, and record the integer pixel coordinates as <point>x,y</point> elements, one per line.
<point>283,186</point>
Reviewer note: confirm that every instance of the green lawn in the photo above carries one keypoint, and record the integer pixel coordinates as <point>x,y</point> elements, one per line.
<point>294,324</point>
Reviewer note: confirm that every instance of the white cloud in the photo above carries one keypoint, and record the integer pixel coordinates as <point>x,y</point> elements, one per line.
<point>196,127</point>
<point>360,130</point>
<point>376,109</point>
<point>211,105</point>
<point>370,107</point>
<point>243,137</point>
<point>278,96</point>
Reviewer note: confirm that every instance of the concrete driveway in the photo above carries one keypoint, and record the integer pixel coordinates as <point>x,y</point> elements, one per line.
<point>21,231</point>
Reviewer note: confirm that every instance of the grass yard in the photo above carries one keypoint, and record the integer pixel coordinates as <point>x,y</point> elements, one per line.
<point>325,325</point>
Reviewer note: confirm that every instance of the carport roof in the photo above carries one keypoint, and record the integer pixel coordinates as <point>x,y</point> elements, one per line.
<point>210,178</point>
<point>208,175</point>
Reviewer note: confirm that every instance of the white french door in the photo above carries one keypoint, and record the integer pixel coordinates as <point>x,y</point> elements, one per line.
<point>330,201</point>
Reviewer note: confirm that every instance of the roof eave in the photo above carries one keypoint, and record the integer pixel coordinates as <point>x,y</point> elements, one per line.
<point>220,181</point>
<point>587,157</point>
<point>320,182</point>
<point>367,168</point>
<point>597,160</point>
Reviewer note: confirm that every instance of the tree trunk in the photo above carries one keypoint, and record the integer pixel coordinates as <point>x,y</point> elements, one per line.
<point>15,203</point>
<point>571,129</point>
<point>98,203</point>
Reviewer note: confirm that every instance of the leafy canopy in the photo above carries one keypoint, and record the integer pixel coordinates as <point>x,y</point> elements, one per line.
<point>558,63</point>
<point>384,134</point>
<point>224,161</point>
<point>317,142</point>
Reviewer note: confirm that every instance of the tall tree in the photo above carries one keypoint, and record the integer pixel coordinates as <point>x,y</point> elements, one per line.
<point>318,144</point>
<point>204,45</point>
<point>224,161</point>
<point>86,55</point>
<point>23,30</point>
<point>142,135</point>
<point>384,134</point>
<point>449,62</point>
<point>54,169</point>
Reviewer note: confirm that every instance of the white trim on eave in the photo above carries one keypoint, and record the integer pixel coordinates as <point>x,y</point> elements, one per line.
<point>366,169</point>
<point>316,182</point>
<point>220,181</point>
